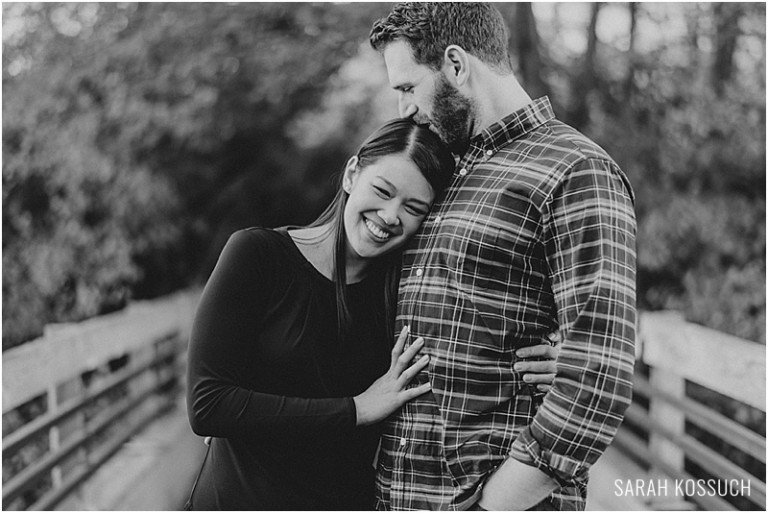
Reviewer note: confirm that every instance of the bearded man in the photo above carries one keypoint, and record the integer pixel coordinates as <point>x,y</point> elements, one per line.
<point>535,234</point>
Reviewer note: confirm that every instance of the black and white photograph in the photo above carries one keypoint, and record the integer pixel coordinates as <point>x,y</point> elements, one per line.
<point>358,256</point>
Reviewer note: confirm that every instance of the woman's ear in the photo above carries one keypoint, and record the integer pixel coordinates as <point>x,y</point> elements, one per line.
<point>350,174</point>
<point>456,65</point>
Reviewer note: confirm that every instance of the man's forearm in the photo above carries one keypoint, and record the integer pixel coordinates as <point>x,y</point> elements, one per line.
<point>515,486</point>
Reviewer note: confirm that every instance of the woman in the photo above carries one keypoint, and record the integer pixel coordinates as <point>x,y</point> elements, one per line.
<point>290,363</point>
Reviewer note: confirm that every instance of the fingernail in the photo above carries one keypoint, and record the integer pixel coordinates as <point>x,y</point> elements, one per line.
<point>419,340</point>
<point>522,353</point>
<point>518,366</point>
<point>425,357</point>
<point>527,377</point>
<point>407,328</point>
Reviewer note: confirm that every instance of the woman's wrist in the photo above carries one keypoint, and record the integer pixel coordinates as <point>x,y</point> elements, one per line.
<point>359,410</point>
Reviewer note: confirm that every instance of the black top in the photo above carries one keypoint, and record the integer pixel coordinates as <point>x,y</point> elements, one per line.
<point>269,378</point>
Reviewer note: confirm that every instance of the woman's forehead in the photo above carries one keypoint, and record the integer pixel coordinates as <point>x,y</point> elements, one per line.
<point>401,172</point>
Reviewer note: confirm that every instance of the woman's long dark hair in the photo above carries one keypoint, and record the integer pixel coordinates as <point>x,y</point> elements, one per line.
<point>431,156</point>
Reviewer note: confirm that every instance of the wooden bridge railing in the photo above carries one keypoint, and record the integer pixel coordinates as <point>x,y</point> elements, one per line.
<point>684,422</point>
<point>73,397</point>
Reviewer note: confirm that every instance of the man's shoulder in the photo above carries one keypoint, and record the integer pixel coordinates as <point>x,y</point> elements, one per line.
<point>571,143</point>
<point>580,154</point>
<point>545,157</point>
<point>548,152</point>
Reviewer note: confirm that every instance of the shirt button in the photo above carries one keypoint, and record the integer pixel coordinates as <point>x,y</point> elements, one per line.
<point>463,172</point>
<point>402,442</point>
<point>438,219</point>
<point>419,272</point>
<point>489,152</point>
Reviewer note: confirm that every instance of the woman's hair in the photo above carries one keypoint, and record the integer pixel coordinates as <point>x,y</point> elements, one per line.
<point>431,156</point>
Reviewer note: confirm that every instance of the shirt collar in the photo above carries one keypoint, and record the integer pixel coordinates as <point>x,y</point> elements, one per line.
<point>514,125</point>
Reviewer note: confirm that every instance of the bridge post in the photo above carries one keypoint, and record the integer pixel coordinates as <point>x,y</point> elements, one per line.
<point>661,448</point>
<point>54,436</point>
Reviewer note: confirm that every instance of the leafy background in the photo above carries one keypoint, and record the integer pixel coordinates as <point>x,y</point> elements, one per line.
<point>137,137</point>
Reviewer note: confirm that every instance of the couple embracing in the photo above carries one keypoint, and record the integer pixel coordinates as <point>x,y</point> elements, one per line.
<point>402,351</point>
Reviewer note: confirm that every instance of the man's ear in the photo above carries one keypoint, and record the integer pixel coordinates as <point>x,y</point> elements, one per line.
<point>350,174</point>
<point>456,65</point>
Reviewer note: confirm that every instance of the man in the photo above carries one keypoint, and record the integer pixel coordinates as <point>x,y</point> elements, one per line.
<point>535,234</point>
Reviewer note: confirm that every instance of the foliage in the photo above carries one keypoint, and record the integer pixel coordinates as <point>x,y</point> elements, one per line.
<point>136,137</point>
<point>72,217</point>
<point>692,141</point>
<point>696,157</point>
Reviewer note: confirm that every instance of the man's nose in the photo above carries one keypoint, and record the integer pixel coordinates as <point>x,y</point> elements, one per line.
<point>406,108</point>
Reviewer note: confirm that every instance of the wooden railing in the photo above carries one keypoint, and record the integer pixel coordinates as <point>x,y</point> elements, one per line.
<point>73,397</point>
<point>680,424</point>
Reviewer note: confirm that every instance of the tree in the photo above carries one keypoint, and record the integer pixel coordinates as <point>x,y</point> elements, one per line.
<point>726,17</point>
<point>525,42</point>
<point>586,78</point>
<point>695,154</point>
<point>138,136</point>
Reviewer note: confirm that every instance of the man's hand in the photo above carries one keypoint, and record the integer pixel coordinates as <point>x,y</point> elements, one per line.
<point>539,364</point>
<point>515,486</point>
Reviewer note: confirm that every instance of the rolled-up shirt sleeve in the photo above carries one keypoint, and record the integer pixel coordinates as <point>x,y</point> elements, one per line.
<point>590,232</point>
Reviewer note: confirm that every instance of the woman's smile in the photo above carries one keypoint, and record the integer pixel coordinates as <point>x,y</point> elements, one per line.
<point>380,229</point>
<point>376,231</point>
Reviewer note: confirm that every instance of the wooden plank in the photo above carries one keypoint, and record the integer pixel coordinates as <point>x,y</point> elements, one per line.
<point>715,463</point>
<point>29,475</point>
<point>66,351</point>
<point>55,496</point>
<point>153,471</point>
<point>720,362</point>
<point>53,418</point>
<point>673,420</point>
<point>714,422</point>
<point>634,445</point>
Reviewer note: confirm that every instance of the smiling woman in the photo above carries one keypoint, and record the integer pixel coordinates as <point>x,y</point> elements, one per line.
<point>293,330</point>
<point>399,151</point>
<point>387,202</point>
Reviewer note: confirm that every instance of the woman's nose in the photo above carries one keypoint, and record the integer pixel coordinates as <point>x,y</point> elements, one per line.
<point>389,216</point>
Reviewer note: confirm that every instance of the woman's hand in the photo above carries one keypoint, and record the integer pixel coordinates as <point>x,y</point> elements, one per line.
<point>540,367</point>
<point>389,392</point>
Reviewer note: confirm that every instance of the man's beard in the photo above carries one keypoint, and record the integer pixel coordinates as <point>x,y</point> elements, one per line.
<point>453,116</point>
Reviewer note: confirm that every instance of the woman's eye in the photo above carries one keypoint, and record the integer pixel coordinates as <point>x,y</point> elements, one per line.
<point>382,192</point>
<point>415,211</point>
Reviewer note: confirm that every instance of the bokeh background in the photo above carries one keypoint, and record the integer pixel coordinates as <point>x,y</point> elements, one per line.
<point>137,137</point>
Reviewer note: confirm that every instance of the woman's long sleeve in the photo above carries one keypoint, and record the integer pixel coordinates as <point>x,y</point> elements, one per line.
<point>224,328</point>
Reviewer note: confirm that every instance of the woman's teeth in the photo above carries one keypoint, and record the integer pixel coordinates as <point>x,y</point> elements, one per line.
<point>378,232</point>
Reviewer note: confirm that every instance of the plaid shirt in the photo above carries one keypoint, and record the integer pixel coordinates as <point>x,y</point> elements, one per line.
<point>535,234</point>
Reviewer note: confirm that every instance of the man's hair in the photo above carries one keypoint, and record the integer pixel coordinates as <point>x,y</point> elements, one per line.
<point>430,27</point>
